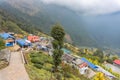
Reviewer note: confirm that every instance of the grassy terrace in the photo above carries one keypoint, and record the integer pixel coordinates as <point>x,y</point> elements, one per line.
<point>39,68</point>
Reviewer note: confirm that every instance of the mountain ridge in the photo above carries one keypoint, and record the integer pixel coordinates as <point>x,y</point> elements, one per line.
<point>46,17</point>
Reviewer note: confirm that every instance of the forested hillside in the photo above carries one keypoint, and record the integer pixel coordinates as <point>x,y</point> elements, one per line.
<point>45,16</point>
<point>10,23</point>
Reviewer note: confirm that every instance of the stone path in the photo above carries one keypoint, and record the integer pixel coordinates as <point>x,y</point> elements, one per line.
<point>15,70</point>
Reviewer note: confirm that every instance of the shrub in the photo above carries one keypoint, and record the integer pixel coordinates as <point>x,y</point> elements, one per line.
<point>47,67</point>
<point>58,76</point>
<point>37,60</point>
<point>68,75</point>
<point>34,55</point>
<point>38,65</point>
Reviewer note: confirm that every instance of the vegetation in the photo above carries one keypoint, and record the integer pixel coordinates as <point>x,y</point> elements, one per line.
<point>39,60</point>
<point>69,72</point>
<point>2,44</point>
<point>95,57</point>
<point>58,34</point>
<point>98,58</point>
<point>11,23</point>
<point>100,76</point>
<point>39,68</point>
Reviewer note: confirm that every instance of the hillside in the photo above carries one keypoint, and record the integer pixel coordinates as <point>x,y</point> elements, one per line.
<point>7,24</point>
<point>10,23</point>
<point>45,16</point>
<point>83,30</point>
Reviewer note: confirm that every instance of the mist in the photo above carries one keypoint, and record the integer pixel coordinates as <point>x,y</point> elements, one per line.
<point>88,7</point>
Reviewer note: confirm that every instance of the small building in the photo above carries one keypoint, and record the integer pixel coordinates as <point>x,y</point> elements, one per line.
<point>41,47</point>
<point>66,51</point>
<point>9,39</point>
<point>11,33</point>
<point>91,65</point>
<point>10,42</point>
<point>116,62</point>
<point>23,43</point>
<point>6,36</point>
<point>81,65</point>
<point>33,38</point>
<point>68,58</point>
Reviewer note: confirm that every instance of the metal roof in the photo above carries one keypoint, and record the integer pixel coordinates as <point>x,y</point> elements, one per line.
<point>91,65</point>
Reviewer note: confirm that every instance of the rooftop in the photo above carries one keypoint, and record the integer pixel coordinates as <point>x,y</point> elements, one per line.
<point>117,62</point>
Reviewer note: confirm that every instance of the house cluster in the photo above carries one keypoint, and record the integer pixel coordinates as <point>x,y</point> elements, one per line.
<point>42,43</point>
<point>45,44</point>
<point>83,65</point>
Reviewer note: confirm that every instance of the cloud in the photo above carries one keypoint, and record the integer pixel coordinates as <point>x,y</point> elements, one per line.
<point>93,7</point>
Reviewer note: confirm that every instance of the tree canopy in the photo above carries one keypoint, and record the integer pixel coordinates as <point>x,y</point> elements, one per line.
<point>58,34</point>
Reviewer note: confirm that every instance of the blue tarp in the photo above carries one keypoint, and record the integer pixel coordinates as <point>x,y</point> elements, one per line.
<point>6,36</point>
<point>9,44</point>
<point>23,43</point>
<point>89,63</point>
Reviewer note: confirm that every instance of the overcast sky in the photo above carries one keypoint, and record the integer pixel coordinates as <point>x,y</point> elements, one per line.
<point>94,7</point>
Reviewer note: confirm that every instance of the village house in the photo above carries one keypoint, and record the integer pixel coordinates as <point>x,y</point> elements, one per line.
<point>116,62</point>
<point>9,39</point>
<point>90,65</point>
<point>10,42</point>
<point>81,65</point>
<point>33,38</point>
<point>67,58</point>
<point>23,43</point>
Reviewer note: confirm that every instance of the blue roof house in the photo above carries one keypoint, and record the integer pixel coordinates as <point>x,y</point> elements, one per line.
<point>23,43</point>
<point>9,44</point>
<point>91,65</point>
<point>6,36</point>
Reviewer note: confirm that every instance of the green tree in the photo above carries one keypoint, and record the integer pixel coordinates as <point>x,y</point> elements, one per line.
<point>114,57</point>
<point>58,34</point>
<point>99,53</point>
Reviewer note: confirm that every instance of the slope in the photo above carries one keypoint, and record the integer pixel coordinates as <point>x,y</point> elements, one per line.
<point>45,16</point>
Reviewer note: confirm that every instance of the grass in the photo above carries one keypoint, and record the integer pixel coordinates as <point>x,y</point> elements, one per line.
<point>37,74</point>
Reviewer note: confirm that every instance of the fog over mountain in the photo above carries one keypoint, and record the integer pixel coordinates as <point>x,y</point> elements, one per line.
<point>88,7</point>
<point>88,22</point>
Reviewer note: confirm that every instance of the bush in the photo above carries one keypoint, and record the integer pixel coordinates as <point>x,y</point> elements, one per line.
<point>68,75</point>
<point>58,76</point>
<point>49,60</point>
<point>47,67</point>
<point>39,66</point>
<point>34,55</point>
<point>37,60</point>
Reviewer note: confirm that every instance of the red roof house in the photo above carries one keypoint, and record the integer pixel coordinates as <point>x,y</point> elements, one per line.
<point>33,38</point>
<point>117,62</point>
<point>83,65</point>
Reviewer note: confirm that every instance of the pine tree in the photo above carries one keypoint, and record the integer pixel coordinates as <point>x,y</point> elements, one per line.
<point>58,34</point>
